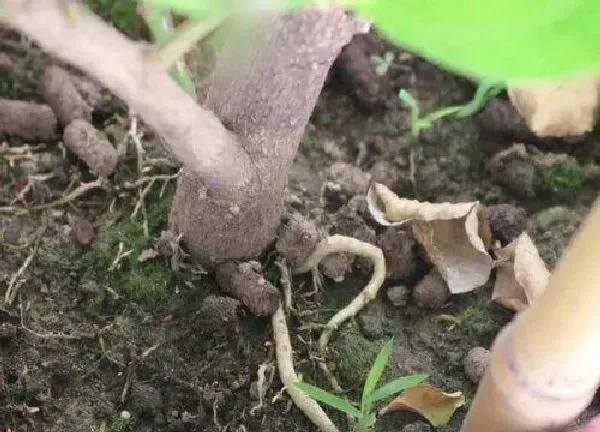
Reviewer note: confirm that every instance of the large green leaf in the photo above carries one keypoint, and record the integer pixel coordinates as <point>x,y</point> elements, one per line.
<point>498,39</point>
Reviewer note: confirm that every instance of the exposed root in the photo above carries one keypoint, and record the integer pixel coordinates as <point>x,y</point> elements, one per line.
<point>121,254</point>
<point>14,284</point>
<point>286,284</point>
<point>283,350</point>
<point>80,190</point>
<point>343,244</point>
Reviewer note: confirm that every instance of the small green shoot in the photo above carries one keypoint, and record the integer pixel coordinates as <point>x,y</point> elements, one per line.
<point>160,24</point>
<point>381,64</point>
<point>486,91</point>
<point>365,416</point>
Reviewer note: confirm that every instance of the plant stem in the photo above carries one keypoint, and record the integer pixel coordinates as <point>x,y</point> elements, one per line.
<point>160,24</point>
<point>184,38</point>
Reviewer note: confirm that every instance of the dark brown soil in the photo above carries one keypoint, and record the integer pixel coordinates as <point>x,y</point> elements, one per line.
<point>87,343</point>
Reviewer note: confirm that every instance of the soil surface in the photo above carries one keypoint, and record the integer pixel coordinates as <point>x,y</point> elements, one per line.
<point>96,339</point>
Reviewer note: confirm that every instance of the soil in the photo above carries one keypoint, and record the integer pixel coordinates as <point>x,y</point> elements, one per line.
<point>92,344</point>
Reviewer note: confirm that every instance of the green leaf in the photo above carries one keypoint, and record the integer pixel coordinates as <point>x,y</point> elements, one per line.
<point>328,398</point>
<point>379,364</point>
<point>396,386</point>
<point>507,40</point>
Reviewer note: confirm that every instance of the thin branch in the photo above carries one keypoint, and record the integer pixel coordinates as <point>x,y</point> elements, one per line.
<point>195,135</point>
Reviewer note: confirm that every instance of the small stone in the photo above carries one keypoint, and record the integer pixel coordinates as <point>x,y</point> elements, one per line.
<point>507,221</point>
<point>432,292</point>
<point>398,295</point>
<point>82,231</point>
<point>476,363</point>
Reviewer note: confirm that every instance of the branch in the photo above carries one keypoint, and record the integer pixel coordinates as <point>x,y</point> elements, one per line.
<point>195,135</point>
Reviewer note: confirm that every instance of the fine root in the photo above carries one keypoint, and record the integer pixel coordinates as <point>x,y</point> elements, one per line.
<point>285,364</point>
<point>343,244</point>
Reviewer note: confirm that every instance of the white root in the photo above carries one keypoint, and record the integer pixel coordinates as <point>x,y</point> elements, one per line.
<point>285,364</point>
<point>283,345</point>
<point>339,244</point>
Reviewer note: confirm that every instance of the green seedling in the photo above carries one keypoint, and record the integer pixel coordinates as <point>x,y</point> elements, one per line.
<point>363,411</point>
<point>486,91</point>
<point>381,64</point>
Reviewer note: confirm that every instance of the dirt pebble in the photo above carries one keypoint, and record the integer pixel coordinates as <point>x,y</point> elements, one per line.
<point>297,239</point>
<point>397,247</point>
<point>507,221</point>
<point>432,292</point>
<point>91,146</point>
<point>27,120</point>
<point>476,363</point>
<point>82,231</point>
<point>60,92</point>
<point>11,230</point>
<point>244,282</point>
<point>345,181</point>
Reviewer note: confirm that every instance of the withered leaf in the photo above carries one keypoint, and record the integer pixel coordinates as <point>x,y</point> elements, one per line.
<point>521,275</point>
<point>560,109</point>
<point>449,233</point>
<point>428,401</point>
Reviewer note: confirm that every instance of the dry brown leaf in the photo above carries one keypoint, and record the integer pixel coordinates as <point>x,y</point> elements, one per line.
<point>449,233</point>
<point>521,276</point>
<point>431,403</point>
<point>559,109</point>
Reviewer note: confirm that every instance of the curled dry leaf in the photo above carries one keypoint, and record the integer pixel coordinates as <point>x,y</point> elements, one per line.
<point>451,234</point>
<point>428,401</point>
<point>562,109</point>
<point>522,275</point>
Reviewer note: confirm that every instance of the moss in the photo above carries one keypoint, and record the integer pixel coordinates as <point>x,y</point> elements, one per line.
<point>122,422</point>
<point>563,180</point>
<point>146,283</point>
<point>478,321</point>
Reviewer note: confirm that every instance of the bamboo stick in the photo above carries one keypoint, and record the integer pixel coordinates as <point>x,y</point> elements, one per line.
<point>545,366</point>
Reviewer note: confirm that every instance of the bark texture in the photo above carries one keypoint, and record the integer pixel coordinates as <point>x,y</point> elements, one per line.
<point>264,91</point>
